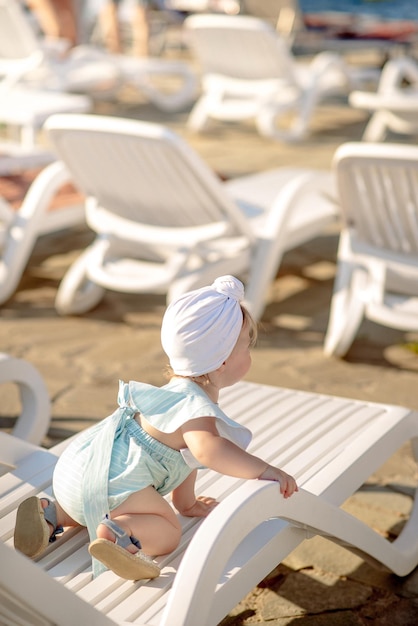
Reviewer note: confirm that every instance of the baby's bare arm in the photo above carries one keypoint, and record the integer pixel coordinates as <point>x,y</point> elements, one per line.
<point>223,456</point>
<point>187,504</point>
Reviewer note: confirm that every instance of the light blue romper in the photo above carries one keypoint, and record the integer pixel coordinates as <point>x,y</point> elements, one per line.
<point>108,462</point>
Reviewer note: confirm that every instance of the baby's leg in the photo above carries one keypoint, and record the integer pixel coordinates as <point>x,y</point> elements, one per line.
<point>147,516</point>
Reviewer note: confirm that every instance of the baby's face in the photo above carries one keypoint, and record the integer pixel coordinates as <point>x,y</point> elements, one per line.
<point>239,361</point>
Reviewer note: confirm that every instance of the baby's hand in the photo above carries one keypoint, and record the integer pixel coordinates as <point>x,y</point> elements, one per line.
<point>201,508</point>
<point>287,483</point>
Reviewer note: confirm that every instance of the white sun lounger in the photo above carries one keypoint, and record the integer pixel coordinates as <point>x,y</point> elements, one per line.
<point>20,229</point>
<point>249,72</point>
<point>165,223</point>
<point>26,59</point>
<point>32,423</point>
<point>394,105</point>
<point>332,445</point>
<point>377,258</point>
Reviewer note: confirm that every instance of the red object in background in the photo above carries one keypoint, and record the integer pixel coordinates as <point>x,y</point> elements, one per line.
<point>353,26</point>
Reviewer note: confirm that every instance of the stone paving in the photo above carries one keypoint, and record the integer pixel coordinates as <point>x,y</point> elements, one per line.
<point>82,358</point>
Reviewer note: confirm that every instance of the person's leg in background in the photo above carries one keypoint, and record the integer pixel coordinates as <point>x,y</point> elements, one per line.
<point>110,26</point>
<point>57,18</point>
<point>141,29</point>
<point>67,19</point>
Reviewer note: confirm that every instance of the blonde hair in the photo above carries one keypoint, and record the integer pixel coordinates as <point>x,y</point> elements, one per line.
<point>248,319</point>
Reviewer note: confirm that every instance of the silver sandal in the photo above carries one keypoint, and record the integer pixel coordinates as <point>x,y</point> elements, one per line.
<point>32,533</point>
<point>116,557</point>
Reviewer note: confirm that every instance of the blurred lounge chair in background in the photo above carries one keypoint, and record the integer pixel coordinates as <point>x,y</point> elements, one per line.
<point>377,262</point>
<point>85,68</point>
<point>249,72</point>
<point>39,62</point>
<point>50,204</point>
<point>23,108</point>
<point>23,112</point>
<point>394,106</point>
<point>166,223</point>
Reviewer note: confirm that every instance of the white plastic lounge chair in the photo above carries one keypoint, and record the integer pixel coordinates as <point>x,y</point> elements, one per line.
<point>332,445</point>
<point>249,72</point>
<point>377,263</point>
<point>166,224</point>
<point>26,57</point>
<point>85,68</point>
<point>16,158</point>
<point>33,421</point>
<point>394,106</point>
<point>23,110</point>
<point>20,229</point>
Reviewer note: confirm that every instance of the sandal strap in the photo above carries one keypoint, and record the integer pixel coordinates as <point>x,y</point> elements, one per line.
<point>57,531</point>
<point>122,538</point>
<point>50,515</point>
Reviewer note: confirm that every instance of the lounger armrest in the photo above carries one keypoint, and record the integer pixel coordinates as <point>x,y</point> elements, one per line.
<point>195,594</point>
<point>313,182</point>
<point>206,571</point>
<point>27,224</point>
<point>278,235</point>
<point>33,422</point>
<point>44,188</point>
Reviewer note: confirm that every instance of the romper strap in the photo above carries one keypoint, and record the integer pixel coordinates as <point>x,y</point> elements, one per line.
<point>96,474</point>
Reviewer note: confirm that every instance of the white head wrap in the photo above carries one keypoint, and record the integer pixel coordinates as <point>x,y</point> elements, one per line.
<point>201,327</point>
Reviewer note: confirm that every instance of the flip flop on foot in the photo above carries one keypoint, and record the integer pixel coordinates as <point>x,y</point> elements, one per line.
<point>117,558</point>
<point>32,533</point>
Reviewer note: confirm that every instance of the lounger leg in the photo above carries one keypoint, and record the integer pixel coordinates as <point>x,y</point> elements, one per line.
<point>199,116</point>
<point>176,100</point>
<point>269,119</point>
<point>347,304</point>
<point>347,310</point>
<point>77,294</point>
<point>376,129</point>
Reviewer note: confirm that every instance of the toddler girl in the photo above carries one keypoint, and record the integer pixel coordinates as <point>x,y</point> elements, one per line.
<point>113,476</point>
